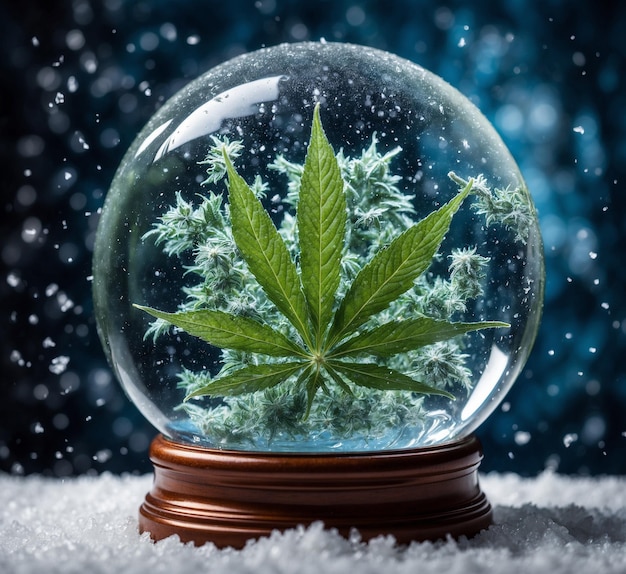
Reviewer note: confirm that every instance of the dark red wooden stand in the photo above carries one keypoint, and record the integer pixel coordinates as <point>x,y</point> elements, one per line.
<point>229,497</point>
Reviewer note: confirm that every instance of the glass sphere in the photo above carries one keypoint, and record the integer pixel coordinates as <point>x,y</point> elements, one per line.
<point>318,247</point>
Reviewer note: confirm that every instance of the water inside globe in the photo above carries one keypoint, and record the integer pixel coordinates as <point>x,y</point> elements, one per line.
<point>318,247</point>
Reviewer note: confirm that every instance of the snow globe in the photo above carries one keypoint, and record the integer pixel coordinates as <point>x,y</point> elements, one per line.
<point>317,271</point>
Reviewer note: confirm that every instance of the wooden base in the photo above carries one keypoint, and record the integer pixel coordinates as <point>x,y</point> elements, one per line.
<point>229,497</point>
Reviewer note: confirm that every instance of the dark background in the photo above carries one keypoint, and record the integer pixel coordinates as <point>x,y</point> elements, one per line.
<point>80,78</point>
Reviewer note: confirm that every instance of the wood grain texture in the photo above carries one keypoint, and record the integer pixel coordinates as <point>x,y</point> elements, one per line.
<point>228,497</point>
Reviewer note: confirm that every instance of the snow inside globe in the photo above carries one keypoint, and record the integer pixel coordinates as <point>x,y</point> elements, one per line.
<point>316,248</point>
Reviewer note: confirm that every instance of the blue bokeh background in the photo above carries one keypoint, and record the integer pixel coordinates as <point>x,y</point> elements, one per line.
<point>80,78</point>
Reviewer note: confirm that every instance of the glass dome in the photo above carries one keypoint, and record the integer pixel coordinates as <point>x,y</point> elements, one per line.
<point>318,247</point>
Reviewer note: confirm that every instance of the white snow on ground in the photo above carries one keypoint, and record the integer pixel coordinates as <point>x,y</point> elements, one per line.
<point>549,524</point>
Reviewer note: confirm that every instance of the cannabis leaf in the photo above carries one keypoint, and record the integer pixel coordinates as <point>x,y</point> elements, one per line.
<point>329,342</point>
<point>264,251</point>
<point>321,228</point>
<point>402,336</point>
<point>393,270</point>
<point>251,379</point>
<point>373,376</point>
<point>230,331</point>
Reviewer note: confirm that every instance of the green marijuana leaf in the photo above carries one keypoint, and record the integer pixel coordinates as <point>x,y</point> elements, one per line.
<point>322,323</point>
<point>251,379</point>
<point>230,331</point>
<point>321,228</point>
<point>265,252</point>
<point>373,376</point>
<point>402,336</point>
<point>394,269</point>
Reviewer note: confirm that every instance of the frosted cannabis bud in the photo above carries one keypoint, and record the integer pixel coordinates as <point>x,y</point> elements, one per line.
<point>330,320</point>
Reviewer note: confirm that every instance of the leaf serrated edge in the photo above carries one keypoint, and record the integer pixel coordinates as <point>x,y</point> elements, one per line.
<point>371,299</point>
<point>395,337</point>
<point>271,264</point>
<point>244,334</point>
<point>321,220</point>
<point>374,376</point>
<point>262,377</point>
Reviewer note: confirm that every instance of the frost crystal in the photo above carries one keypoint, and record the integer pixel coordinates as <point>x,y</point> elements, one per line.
<point>59,364</point>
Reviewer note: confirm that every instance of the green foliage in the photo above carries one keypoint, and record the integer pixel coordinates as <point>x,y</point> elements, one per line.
<point>321,230</point>
<point>509,207</point>
<point>329,321</point>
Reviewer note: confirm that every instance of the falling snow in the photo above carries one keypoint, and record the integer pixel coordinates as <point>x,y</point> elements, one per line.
<point>48,343</point>
<point>59,364</point>
<point>570,439</point>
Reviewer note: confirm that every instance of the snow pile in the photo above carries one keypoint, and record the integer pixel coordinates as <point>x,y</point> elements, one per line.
<point>547,524</point>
